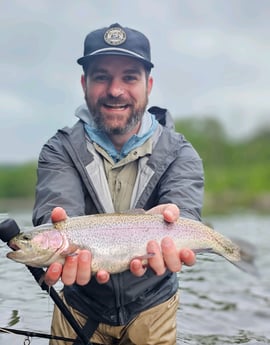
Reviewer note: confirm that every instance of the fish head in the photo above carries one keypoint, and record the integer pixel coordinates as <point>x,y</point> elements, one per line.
<point>38,248</point>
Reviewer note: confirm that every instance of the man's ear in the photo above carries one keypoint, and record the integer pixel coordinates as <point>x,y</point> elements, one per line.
<point>83,83</point>
<point>150,85</point>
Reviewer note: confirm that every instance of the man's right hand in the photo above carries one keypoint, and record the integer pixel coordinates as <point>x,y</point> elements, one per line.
<point>77,268</point>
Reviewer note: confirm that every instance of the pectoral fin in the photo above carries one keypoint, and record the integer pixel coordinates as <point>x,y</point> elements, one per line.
<point>144,258</point>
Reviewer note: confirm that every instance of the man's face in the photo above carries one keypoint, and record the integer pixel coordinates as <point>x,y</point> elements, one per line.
<point>116,91</point>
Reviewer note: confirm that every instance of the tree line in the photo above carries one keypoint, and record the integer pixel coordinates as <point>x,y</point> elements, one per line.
<point>237,173</point>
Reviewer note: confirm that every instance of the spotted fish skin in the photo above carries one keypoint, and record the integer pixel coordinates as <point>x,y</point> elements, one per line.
<point>115,239</point>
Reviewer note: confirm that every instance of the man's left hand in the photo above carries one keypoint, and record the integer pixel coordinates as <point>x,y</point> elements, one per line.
<point>166,255</point>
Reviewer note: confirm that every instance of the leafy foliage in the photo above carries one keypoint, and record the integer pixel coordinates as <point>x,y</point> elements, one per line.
<point>237,173</point>
<point>18,180</point>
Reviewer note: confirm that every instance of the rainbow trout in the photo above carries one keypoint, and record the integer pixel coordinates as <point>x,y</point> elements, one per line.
<point>115,239</point>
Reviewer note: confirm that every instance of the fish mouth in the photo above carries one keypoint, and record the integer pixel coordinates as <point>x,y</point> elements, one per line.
<point>16,251</point>
<point>14,246</point>
<point>17,255</point>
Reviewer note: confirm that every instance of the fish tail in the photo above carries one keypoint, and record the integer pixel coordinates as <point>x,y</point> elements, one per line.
<point>248,256</point>
<point>247,253</point>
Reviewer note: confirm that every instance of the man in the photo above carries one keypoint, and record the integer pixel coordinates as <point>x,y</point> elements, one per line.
<point>117,157</point>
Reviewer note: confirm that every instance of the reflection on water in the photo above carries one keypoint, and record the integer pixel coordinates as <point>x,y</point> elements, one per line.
<point>219,304</point>
<point>14,318</point>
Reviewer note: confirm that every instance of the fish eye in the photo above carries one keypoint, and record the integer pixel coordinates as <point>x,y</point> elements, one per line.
<point>26,236</point>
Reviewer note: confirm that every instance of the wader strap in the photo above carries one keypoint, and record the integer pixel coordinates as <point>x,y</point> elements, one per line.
<point>88,330</point>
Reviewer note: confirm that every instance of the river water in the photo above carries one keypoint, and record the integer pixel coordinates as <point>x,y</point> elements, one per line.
<point>219,303</point>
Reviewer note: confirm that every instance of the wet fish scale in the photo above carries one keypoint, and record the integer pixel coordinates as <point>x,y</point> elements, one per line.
<point>115,239</point>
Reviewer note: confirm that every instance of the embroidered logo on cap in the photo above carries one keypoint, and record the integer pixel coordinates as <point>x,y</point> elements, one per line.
<point>115,36</point>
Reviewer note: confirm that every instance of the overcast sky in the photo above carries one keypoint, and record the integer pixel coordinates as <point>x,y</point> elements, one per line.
<point>212,57</point>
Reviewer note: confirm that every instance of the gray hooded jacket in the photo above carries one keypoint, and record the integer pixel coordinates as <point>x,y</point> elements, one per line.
<point>71,176</point>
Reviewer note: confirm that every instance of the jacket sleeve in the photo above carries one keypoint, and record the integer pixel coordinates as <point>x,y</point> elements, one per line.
<point>183,181</point>
<point>58,183</point>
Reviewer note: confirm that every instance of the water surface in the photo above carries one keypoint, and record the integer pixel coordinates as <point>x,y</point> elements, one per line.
<point>219,304</point>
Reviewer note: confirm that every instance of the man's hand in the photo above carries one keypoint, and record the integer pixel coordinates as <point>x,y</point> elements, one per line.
<point>166,255</point>
<point>77,268</point>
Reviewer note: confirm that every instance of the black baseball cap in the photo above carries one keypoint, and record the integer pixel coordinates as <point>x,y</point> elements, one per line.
<point>117,40</point>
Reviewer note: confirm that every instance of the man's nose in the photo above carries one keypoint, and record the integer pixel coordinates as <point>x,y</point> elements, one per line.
<point>115,88</point>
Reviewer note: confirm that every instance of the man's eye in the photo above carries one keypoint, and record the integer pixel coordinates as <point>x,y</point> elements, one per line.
<point>131,78</point>
<point>100,77</point>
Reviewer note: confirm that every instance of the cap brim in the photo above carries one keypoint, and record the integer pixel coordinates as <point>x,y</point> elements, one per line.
<point>86,59</point>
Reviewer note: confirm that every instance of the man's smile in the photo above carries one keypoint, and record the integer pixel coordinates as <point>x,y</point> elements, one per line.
<point>115,106</point>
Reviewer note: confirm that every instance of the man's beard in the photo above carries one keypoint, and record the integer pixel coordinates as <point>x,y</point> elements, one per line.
<point>134,118</point>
